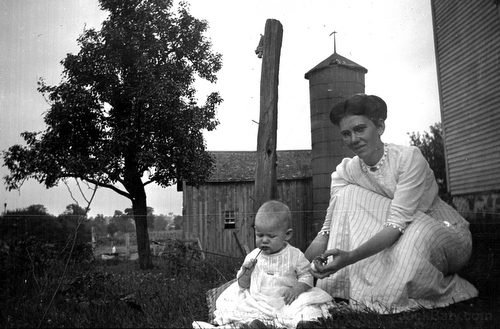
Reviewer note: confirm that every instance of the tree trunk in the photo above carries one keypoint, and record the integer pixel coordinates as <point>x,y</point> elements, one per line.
<point>141,227</point>
<point>139,206</point>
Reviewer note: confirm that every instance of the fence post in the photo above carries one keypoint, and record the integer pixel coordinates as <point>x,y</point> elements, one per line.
<point>127,244</point>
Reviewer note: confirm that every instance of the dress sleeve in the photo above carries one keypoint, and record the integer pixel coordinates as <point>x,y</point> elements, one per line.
<point>302,270</point>
<point>410,187</point>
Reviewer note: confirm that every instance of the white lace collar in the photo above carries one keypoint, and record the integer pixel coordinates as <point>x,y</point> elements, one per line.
<point>367,168</point>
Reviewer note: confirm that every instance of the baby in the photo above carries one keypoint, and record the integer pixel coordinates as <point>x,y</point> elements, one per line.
<point>273,284</point>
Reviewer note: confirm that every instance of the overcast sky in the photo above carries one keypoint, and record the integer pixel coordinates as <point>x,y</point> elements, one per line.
<point>391,38</point>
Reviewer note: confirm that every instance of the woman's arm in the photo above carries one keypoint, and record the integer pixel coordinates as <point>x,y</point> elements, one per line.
<point>317,247</point>
<point>416,188</point>
<point>340,258</point>
<point>380,241</point>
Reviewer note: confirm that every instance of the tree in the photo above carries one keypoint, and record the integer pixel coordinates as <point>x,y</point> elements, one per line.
<point>111,229</point>
<point>161,222</point>
<point>99,224</point>
<point>73,225</point>
<point>149,216</point>
<point>432,147</point>
<point>30,221</point>
<point>178,222</point>
<point>34,209</point>
<point>122,222</point>
<point>75,210</point>
<point>72,216</point>
<point>35,222</point>
<point>125,113</point>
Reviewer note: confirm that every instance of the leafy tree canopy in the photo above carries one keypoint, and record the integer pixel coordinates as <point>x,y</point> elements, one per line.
<point>75,210</point>
<point>122,221</point>
<point>126,105</point>
<point>34,221</point>
<point>432,147</point>
<point>126,108</point>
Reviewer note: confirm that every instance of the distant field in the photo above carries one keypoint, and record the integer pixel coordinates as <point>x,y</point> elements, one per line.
<point>163,237</point>
<point>122,250</point>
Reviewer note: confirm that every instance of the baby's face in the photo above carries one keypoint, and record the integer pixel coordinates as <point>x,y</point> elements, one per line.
<point>270,236</point>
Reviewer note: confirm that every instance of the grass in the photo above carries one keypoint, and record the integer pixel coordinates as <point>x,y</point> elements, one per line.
<point>117,293</point>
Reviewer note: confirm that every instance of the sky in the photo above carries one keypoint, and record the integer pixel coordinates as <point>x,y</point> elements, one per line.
<point>392,39</point>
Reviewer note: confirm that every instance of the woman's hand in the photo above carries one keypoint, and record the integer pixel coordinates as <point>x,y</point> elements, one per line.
<point>340,259</point>
<point>322,268</point>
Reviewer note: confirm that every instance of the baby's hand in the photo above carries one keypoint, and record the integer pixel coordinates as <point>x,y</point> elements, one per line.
<point>249,264</point>
<point>290,295</point>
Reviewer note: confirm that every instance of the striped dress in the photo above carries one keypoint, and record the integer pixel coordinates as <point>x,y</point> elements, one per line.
<point>419,270</point>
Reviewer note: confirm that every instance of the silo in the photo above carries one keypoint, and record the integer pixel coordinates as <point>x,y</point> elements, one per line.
<point>331,81</point>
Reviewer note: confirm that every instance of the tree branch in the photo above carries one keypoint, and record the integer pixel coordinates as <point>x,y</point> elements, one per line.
<point>111,187</point>
<point>149,182</point>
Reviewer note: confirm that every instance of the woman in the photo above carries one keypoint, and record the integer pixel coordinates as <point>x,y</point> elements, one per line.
<point>388,243</point>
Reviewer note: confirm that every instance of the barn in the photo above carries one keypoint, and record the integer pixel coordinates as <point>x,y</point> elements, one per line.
<point>467,45</point>
<point>220,211</point>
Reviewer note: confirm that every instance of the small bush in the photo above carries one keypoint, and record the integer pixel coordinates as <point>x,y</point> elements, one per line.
<point>33,247</point>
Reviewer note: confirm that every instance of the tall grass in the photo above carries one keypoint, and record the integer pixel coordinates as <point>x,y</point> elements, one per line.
<point>104,294</point>
<point>117,293</point>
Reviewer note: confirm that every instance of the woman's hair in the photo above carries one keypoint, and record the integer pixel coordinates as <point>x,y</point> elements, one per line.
<point>370,106</point>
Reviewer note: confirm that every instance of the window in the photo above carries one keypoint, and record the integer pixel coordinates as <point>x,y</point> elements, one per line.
<point>229,219</point>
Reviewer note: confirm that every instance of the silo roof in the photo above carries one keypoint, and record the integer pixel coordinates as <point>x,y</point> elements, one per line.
<point>336,60</point>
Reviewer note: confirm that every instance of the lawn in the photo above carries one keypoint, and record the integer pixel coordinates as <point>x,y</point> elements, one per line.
<point>116,293</point>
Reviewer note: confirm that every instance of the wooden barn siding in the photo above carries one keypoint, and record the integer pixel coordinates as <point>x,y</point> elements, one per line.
<point>297,195</point>
<point>467,37</point>
<point>203,215</point>
<point>204,208</point>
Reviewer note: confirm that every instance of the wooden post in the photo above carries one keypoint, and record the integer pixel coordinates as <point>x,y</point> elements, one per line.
<point>265,174</point>
<point>243,253</point>
<point>127,245</point>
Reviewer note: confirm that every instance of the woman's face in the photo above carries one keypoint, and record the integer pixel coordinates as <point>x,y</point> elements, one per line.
<point>362,136</point>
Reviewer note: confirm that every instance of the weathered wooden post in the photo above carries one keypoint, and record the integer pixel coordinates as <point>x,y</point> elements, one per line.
<point>265,175</point>
<point>127,245</point>
<point>94,240</point>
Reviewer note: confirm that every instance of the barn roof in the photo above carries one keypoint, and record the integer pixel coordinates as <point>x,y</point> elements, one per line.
<point>241,165</point>
<point>336,60</point>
